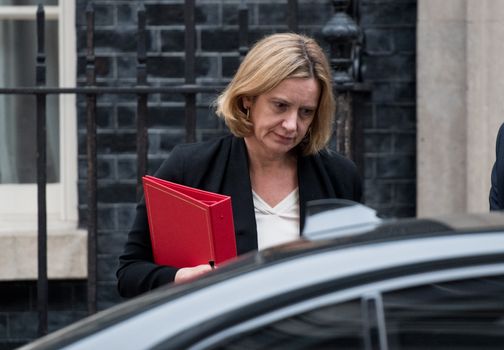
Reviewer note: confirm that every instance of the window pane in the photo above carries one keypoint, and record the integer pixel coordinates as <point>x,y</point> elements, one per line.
<point>18,122</point>
<point>466,314</point>
<point>333,327</point>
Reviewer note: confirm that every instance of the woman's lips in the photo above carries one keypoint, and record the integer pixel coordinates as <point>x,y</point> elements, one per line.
<point>285,139</point>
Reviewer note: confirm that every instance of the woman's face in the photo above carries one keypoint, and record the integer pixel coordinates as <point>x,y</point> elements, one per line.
<point>282,116</point>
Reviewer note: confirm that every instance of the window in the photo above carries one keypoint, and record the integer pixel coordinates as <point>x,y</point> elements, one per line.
<point>333,327</point>
<point>18,191</point>
<point>466,314</point>
<point>17,64</point>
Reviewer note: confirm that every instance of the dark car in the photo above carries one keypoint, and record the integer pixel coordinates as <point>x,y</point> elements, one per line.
<point>348,284</point>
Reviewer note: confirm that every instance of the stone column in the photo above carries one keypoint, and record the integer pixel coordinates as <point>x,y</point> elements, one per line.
<point>459,84</point>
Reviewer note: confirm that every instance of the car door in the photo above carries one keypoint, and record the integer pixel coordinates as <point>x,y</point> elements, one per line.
<point>455,308</point>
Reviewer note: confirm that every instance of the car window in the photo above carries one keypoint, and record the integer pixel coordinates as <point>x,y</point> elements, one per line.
<point>330,327</point>
<point>463,314</point>
<point>466,314</point>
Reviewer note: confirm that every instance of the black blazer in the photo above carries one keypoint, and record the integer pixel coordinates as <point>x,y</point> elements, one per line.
<point>221,166</point>
<point>497,190</point>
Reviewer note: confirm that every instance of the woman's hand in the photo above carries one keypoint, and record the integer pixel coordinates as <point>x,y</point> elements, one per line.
<point>186,274</point>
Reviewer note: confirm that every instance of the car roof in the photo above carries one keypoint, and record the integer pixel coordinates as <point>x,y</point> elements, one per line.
<point>479,231</point>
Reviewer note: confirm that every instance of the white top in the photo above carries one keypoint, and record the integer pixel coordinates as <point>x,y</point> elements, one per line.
<point>279,224</point>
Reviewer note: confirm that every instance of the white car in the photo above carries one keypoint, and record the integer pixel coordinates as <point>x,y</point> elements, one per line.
<point>372,284</point>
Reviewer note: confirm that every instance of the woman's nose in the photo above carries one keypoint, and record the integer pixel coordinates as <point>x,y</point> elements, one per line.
<point>290,121</point>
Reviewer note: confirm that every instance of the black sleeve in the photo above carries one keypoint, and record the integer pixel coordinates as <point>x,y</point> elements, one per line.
<point>344,176</point>
<point>357,185</point>
<point>495,197</point>
<point>137,273</point>
<point>351,179</point>
<point>494,191</point>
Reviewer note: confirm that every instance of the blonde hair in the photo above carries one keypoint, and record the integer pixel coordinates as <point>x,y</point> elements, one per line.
<point>270,61</point>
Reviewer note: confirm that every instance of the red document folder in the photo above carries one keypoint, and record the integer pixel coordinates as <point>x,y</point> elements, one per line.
<point>188,226</point>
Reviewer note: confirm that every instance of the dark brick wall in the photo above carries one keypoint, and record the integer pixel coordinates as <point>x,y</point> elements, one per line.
<point>18,309</point>
<point>217,59</point>
<point>388,115</point>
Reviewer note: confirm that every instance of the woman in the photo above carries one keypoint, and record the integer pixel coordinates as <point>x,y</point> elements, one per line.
<point>279,108</point>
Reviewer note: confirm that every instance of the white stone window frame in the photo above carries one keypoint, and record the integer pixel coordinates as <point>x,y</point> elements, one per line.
<point>67,245</point>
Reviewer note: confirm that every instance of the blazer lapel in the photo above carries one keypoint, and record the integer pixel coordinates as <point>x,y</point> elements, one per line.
<point>313,183</point>
<point>236,183</point>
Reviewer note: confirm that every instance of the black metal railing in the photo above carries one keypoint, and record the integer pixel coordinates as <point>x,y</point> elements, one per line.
<point>41,175</point>
<point>142,90</point>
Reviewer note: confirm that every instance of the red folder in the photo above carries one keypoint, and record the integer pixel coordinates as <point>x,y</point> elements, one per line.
<point>188,226</point>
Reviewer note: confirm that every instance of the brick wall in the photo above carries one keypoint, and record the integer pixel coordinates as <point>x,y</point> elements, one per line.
<point>18,309</point>
<point>388,116</point>
<point>217,59</point>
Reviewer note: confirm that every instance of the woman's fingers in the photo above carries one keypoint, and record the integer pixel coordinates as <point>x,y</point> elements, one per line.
<point>189,273</point>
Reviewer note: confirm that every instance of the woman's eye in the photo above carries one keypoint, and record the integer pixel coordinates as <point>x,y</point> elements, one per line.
<point>307,112</point>
<point>279,105</point>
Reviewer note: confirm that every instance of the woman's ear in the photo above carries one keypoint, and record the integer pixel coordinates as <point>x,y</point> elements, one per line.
<point>247,101</point>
